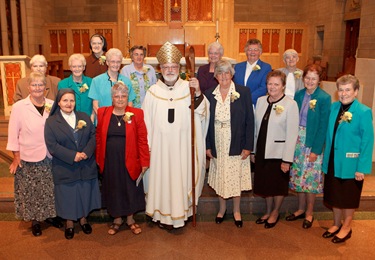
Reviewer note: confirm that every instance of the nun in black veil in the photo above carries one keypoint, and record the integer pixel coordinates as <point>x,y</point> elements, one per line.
<point>70,138</point>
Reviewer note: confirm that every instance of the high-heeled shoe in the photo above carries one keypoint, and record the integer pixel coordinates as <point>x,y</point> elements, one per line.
<point>337,240</point>
<point>219,220</point>
<point>307,224</point>
<point>271,225</point>
<point>328,234</point>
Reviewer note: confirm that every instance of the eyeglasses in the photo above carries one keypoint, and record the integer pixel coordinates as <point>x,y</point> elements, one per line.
<point>120,96</point>
<point>77,67</point>
<point>114,62</point>
<point>170,67</point>
<point>311,79</point>
<point>37,85</point>
<point>223,74</point>
<point>254,50</point>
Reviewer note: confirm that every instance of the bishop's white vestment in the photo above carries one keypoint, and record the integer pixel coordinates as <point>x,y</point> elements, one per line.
<point>168,182</point>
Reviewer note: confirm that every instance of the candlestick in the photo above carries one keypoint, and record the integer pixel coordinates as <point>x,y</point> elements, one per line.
<point>128,27</point>
<point>217,25</point>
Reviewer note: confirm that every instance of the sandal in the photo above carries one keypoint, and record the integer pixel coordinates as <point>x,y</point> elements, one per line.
<point>114,228</point>
<point>135,228</point>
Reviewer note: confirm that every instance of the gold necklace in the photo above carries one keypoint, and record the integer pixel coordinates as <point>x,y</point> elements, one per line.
<point>119,121</point>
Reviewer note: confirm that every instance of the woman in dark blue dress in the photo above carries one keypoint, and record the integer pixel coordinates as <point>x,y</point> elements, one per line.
<point>70,138</point>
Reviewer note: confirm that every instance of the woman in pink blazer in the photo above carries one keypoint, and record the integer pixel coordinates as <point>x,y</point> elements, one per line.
<point>123,155</point>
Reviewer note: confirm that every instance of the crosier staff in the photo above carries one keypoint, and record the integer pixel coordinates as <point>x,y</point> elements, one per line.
<point>190,67</point>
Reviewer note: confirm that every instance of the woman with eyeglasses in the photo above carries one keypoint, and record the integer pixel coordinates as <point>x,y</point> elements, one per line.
<point>141,75</point>
<point>95,64</point>
<point>205,75</point>
<point>34,196</point>
<point>122,154</point>
<point>100,91</point>
<point>79,83</point>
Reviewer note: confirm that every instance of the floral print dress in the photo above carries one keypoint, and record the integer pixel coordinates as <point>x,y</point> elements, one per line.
<point>228,175</point>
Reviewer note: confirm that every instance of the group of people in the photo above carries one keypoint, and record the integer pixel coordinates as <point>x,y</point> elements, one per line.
<point>278,124</point>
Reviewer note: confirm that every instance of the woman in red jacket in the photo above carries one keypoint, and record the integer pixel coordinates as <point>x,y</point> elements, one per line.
<point>123,156</point>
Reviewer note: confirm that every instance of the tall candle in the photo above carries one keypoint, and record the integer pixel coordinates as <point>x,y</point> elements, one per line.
<point>128,27</point>
<point>217,25</point>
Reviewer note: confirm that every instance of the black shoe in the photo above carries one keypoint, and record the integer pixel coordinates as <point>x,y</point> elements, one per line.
<point>238,223</point>
<point>86,228</point>
<point>271,225</point>
<point>328,234</point>
<point>307,224</point>
<point>293,217</point>
<point>69,233</point>
<point>36,230</point>
<point>261,220</point>
<point>56,222</point>
<point>337,240</point>
<point>219,220</point>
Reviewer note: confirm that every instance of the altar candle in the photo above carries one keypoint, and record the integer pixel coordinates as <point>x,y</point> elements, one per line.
<point>217,25</point>
<point>128,27</point>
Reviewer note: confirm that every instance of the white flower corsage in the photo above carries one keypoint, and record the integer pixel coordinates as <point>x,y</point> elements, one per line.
<point>47,107</point>
<point>312,104</point>
<point>297,74</point>
<point>102,60</point>
<point>128,117</point>
<point>83,88</point>
<point>81,124</point>
<point>346,117</point>
<point>278,109</point>
<point>256,67</point>
<point>234,96</point>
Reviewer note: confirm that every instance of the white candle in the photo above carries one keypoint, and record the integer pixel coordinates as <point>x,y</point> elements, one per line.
<point>217,25</point>
<point>128,27</point>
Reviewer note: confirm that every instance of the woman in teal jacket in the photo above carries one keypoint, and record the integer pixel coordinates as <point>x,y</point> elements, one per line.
<point>306,177</point>
<point>348,156</point>
<point>79,83</point>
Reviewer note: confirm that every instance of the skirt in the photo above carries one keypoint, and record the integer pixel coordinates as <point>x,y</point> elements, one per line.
<point>305,176</point>
<point>77,199</point>
<point>34,197</point>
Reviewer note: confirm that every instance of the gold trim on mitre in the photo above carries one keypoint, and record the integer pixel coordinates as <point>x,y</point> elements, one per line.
<point>168,53</point>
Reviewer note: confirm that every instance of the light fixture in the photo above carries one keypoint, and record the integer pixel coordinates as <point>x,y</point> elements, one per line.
<point>175,8</point>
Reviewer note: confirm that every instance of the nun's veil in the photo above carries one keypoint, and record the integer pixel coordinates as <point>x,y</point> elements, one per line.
<point>55,108</point>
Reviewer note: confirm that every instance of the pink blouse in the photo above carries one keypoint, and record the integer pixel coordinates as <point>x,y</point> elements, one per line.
<point>26,130</point>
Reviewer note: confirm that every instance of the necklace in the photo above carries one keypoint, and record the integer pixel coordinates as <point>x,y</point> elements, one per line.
<point>119,120</point>
<point>344,108</point>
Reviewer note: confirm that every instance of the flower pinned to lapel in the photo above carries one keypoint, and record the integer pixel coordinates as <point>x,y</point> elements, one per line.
<point>128,117</point>
<point>278,109</point>
<point>83,88</point>
<point>234,96</point>
<point>346,117</point>
<point>102,60</point>
<point>312,104</point>
<point>256,67</point>
<point>47,107</point>
<point>145,69</point>
<point>297,74</point>
<point>81,124</point>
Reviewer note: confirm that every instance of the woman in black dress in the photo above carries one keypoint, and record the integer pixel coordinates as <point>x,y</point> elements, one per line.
<point>347,157</point>
<point>276,131</point>
<point>123,156</point>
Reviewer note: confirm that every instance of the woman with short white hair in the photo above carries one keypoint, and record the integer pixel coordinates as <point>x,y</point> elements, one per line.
<point>293,74</point>
<point>79,83</point>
